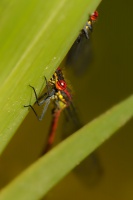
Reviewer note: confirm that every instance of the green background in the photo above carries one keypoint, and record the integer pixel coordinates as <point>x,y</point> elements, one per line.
<point>107,174</point>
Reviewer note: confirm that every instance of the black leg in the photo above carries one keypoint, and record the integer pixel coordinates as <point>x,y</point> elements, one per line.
<point>33,110</point>
<point>35,94</point>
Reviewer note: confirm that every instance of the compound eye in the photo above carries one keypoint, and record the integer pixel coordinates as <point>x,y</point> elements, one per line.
<point>94,16</point>
<point>61,85</point>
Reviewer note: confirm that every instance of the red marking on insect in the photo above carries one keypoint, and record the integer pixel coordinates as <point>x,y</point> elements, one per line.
<point>58,69</point>
<point>53,128</point>
<point>68,94</point>
<point>94,16</point>
<point>61,85</point>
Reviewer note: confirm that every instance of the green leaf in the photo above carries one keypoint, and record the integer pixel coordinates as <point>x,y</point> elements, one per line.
<point>35,36</point>
<point>40,177</point>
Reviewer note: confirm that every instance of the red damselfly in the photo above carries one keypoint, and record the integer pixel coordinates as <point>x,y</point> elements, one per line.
<point>88,27</point>
<point>57,91</point>
<point>80,55</point>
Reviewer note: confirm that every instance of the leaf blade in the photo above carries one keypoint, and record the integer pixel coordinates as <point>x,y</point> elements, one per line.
<point>34,42</point>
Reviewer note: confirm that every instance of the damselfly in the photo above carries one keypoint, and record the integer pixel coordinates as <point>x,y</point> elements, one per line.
<point>58,92</point>
<point>80,55</point>
<point>88,27</point>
